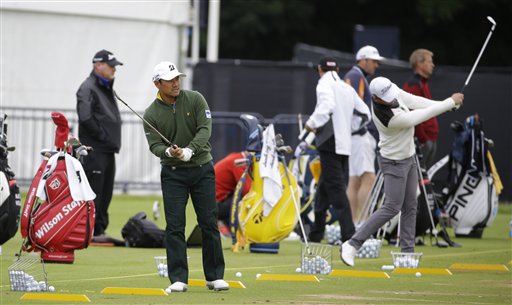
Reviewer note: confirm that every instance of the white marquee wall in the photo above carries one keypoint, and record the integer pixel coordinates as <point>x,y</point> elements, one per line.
<point>47,47</point>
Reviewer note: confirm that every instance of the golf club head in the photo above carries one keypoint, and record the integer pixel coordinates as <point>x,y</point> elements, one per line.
<point>491,20</point>
<point>441,244</point>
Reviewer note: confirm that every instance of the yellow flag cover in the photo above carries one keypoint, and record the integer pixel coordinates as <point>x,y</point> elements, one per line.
<point>256,228</point>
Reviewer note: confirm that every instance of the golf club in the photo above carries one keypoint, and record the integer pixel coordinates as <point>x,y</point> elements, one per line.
<point>491,20</point>
<point>297,206</point>
<point>146,122</point>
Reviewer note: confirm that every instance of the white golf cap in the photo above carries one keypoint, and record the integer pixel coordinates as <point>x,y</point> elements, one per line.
<point>166,70</point>
<point>368,52</point>
<point>384,89</point>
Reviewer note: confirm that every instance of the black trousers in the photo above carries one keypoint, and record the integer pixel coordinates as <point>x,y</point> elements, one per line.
<point>177,185</point>
<point>332,191</point>
<point>100,169</point>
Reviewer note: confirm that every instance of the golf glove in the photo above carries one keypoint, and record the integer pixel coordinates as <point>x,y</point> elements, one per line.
<point>187,154</point>
<point>300,149</point>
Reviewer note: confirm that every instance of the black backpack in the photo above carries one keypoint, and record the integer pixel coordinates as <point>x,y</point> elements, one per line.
<point>140,232</point>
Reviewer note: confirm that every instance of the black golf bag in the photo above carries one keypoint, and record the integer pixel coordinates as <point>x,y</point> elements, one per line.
<point>466,181</point>
<point>10,202</point>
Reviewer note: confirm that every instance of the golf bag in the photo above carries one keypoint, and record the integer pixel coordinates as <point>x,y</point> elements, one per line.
<point>58,215</point>
<point>466,181</point>
<point>140,232</point>
<point>10,202</point>
<point>251,219</point>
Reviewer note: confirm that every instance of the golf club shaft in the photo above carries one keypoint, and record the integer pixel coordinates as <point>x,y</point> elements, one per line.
<point>297,207</point>
<point>478,58</point>
<point>146,122</point>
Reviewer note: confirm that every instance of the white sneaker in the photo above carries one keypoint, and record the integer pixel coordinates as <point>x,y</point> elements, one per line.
<point>217,285</point>
<point>347,254</point>
<point>177,287</point>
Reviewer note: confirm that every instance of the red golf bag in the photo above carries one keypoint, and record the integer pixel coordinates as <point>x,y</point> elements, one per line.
<point>58,216</point>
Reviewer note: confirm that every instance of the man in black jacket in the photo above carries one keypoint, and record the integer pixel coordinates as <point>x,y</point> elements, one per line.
<point>99,126</point>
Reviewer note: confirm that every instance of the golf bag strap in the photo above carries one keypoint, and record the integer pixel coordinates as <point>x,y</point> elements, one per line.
<point>26,214</point>
<point>237,196</point>
<point>88,226</point>
<point>495,176</point>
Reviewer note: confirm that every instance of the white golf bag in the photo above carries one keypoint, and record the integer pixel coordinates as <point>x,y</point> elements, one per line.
<point>466,181</point>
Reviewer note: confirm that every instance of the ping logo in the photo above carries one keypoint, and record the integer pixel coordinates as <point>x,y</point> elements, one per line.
<point>55,184</point>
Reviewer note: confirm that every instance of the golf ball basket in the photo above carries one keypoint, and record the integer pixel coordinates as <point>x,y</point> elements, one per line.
<point>370,249</point>
<point>317,259</point>
<point>406,260</point>
<point>161,265</point>
<point>28,274</point>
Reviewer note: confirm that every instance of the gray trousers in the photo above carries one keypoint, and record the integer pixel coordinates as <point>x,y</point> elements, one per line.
<point>400,185</point>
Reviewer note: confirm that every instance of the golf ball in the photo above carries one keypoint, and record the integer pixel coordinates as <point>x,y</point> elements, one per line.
<point>418,274</point>
<point>238,274</point>
<point>51,288</point>
<point>298,270</point>
<point>258,275</point>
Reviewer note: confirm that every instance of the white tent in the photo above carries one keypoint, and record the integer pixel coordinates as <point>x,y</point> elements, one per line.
<point>47,47</point>
<point>46,52</point>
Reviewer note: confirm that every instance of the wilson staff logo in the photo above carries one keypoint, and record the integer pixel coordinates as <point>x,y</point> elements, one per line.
<point>55,184</point>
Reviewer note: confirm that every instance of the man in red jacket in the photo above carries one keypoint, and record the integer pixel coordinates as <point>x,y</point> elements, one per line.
<point>423,65</point>
<point>227,173</point>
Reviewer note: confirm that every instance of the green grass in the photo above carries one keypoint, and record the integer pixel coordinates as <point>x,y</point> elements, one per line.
<point>98,267</point>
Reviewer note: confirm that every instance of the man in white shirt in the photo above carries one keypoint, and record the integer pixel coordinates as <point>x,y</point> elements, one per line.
<point>395,123</point>
<point>331,121</point>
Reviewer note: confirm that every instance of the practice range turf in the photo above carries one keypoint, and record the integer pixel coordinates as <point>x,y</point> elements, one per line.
<point>96,268</point>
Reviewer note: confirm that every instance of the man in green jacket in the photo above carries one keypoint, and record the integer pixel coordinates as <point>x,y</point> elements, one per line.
<point>183,117</point>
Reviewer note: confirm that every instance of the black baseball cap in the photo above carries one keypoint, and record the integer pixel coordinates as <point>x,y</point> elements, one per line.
<point>328,63</point>
<point>106,57</point>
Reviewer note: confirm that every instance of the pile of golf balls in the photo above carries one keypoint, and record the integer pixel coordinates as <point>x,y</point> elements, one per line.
<point>22,281</point>
<point>370,249</point>
<point>162,269</point>
<point>406,261</point>
<point>315,265</point>
<point>332,234</point>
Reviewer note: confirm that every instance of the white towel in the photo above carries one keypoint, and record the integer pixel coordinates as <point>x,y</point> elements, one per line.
<point>78,184</point>
<point>269,171</point>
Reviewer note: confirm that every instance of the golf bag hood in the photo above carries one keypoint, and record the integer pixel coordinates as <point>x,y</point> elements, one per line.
<point>10,202</point>
<point>255,132</point>
<point>466,180</point>
<point>58,215</point>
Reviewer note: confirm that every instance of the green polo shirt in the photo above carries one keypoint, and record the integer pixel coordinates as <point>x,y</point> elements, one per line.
<point>186,123</point>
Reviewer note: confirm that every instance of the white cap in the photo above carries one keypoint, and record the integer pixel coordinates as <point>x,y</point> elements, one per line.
<point>166,70</point>
<point>368,52</point>
<point>384,89</point>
